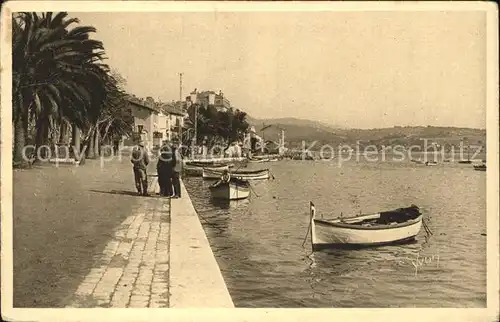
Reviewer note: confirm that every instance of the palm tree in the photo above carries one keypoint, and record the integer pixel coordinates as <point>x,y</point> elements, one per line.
<point>58,77</point>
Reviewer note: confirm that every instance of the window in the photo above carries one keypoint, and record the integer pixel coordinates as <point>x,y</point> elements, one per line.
<point>140,128</point>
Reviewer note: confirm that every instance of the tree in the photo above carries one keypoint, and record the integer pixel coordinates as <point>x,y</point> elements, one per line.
<point>218,126</point>
<point>58,76</point>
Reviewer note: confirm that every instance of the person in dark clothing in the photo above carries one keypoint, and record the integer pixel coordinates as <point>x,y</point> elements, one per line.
<point>165,169</point>
<point>140,160</point>
<point>177,168</point>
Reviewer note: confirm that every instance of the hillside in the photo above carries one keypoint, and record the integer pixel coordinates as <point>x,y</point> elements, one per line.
<point>297,130</point>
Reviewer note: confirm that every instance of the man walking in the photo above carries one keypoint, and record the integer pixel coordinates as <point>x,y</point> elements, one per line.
<point>140,160</point>
<point>177,167</point>
<point>164,168</point>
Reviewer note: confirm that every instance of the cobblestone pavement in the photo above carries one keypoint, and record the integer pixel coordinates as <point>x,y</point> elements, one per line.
<point>133,270</point>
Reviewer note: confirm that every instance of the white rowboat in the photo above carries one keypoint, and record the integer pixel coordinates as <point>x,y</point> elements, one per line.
<point>238,174</point>
<point>384,228</point>
<point>232,190</point>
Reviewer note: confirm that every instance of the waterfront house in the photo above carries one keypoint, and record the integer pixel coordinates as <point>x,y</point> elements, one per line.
<point>143,112</point>
<point>154,121</point>
<point>175,112</point>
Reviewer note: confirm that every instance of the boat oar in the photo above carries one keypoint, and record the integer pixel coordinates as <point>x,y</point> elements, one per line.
<point>272,175</point>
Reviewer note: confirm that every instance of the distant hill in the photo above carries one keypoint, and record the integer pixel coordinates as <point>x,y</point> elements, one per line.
<point>298,130</point>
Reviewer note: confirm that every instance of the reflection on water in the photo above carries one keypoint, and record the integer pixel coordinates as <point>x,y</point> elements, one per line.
<point>257,242</point>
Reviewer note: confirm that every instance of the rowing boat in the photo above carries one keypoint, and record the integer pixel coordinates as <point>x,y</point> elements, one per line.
<point>257,160</point>
<point>238,174</point>
<point>197,170</point>
<point>233,190</point>
<point>384,228</point>
<point>480,167</point>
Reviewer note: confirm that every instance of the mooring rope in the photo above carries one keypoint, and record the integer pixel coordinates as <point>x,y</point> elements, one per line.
<point>307,233</point>
<point>251,189</point>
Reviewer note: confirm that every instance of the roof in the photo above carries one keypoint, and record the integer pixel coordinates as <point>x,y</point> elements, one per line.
<point>142,103</point>
<point>173,108</point>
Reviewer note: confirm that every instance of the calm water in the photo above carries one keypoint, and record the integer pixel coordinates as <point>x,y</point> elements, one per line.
<point>257,242</point>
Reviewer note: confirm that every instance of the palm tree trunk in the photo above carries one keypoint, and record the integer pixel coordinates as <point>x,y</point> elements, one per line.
<point>41,138</point>
<point>20,131</point>
<point>96,142</point>
<point>75,141</point>
<point>19,142</point>
<point>90,145</point>
<point>63,133</point>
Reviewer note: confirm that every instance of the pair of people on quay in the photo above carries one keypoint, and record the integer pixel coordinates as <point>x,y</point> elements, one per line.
<point>169,169</point>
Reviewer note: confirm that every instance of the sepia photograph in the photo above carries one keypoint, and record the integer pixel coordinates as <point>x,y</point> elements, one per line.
<point>250,155</point>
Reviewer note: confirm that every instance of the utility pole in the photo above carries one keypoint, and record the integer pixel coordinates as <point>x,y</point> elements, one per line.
<point>180,87</point>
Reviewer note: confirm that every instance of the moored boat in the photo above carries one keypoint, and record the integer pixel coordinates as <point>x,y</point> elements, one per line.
<point>384,228</point>
<point>196,170</point>
<point>257,160</point>
<point>234,189</point>
<point>480,167</point>
<point>262,174</point>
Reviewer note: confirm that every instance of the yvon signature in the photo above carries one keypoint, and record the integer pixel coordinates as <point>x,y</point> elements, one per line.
<point>421,261</point>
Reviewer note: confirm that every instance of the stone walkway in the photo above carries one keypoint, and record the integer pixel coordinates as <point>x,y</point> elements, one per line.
<point>133,270</point>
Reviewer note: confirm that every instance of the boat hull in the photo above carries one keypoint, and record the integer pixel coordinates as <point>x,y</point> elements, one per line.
<point>230,191</point>
<point>327,235</point>
<point>198,171</point>
<point>211,174</point>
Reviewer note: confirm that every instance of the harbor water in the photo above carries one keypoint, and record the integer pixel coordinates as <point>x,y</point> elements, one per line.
<point>258,242</point>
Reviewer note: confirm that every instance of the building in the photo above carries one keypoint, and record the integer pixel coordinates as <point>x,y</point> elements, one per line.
<point>154,121</point>
<point>175,118</point>
<point>209,98</point>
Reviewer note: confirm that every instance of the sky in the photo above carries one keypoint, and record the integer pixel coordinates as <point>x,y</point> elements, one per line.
<point>350,69</point>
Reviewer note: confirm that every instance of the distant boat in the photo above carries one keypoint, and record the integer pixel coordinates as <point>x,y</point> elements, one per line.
<point>208,164</point>
<point>233,190</point>
<point>384,228</point>
<point>197,170</point>
<point>262,174</point>
<point>480,167</point>
<point>257,160</point>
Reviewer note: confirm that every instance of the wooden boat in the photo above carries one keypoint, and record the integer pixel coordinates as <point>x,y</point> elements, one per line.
<point>235,189</point>
<point>430,163</point>
<point>480,167</point>
<point>238,174</point>
<point>384,228</point>
<point>465,161</point>
<point>196,170</point>
<point>257,160</point>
